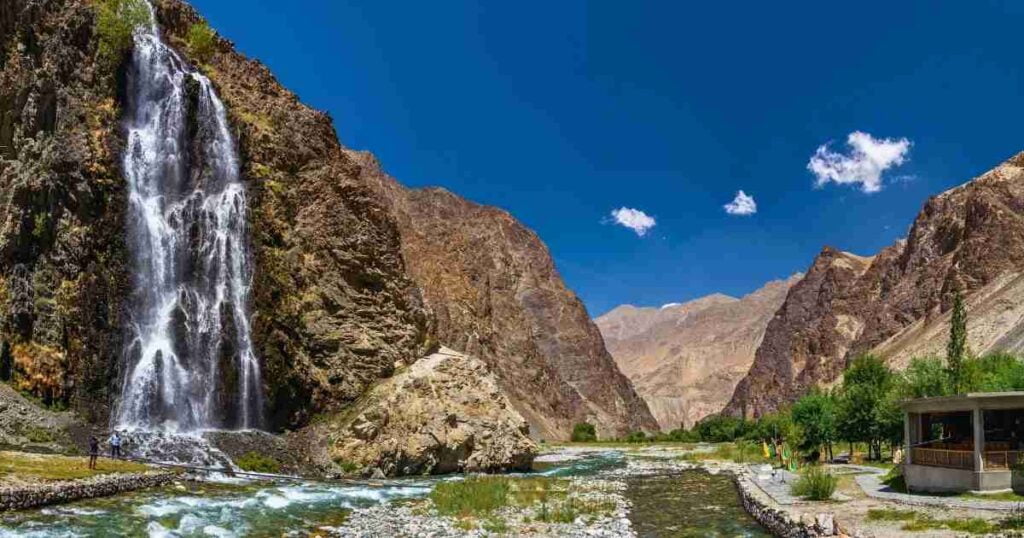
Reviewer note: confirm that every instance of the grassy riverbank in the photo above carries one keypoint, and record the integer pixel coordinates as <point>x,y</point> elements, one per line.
<point>20,468</point>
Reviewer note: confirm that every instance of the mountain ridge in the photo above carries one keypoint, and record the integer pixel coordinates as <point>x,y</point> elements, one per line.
<point>685,360</point>
<point>964,239</point>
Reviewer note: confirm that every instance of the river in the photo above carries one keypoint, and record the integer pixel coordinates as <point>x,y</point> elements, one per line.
<point>690,503</point>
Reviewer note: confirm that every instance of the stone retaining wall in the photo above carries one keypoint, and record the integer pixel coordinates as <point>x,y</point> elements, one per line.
<point>19,498</point>
<point>779,521</point>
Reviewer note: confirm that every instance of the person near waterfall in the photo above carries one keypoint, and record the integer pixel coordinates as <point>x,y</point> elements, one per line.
<point>94,451</point>
<point>115,445</point>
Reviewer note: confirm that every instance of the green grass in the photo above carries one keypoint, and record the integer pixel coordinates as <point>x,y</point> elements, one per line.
<point>918,522</point>
<point>472,497</point>
<point>891,514</point>
<point>894,479</point>
<point>728,452</point>
<point>815,483</point>
<point>258,463</point>
<point>37,467</point>
<point>1011,496</point>
<point>970,525</point>
<point>474,502</point>
<point>568,510</point>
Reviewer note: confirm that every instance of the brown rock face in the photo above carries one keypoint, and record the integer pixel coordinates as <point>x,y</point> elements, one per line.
<point>63,274</point>
<point>686,359</point>
<point>497,295</point>
<point>334,309</point>
<point>969,238</point>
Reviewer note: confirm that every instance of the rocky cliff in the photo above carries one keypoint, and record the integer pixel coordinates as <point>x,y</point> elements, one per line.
<point>63,261</point>
<point>347,289</point>
<point>970,238</point>
<point>686,359</point>
<point>496,295</point>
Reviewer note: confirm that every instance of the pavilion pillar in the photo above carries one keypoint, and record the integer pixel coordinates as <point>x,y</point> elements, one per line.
<point>907,440</point>
<point>979,439</point>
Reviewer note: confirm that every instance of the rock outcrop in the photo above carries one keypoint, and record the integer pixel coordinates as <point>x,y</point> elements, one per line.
<point>443,414</point>
<point>970,238</point>
<point>496,294</point>
<point>686,359</point>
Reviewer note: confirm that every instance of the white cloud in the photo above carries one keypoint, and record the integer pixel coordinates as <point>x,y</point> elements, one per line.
<point>634,219</point>
<point>670,305</point>
<point>869,157</point>
<point>741,205</point>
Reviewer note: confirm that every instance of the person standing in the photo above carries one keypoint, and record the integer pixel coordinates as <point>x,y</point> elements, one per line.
<point>94,451</point>
<point>115,445</point>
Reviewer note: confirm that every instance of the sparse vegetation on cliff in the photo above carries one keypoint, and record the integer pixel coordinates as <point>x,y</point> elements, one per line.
<point>258,463</point>
<point>201,41</point>
<point>116,22</point>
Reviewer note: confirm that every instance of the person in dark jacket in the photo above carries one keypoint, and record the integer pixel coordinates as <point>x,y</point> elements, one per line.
<point>94,451</point>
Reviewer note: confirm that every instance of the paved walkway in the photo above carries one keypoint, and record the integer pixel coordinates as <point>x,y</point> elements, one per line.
<point>777,483</point>
<point>870,480</point>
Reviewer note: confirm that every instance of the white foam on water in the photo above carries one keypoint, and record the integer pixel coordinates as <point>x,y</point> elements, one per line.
<point>213,530</point>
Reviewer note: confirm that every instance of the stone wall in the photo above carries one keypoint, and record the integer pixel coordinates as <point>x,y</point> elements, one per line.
<point>778,520</point>
<point>20,498</point>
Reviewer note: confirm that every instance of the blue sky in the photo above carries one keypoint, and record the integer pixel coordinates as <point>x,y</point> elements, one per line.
<point>562,112</point>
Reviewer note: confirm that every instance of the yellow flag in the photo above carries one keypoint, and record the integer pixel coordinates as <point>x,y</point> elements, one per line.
<point>764,448</point>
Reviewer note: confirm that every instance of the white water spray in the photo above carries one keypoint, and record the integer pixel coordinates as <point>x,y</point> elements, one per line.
<point>189,355</point>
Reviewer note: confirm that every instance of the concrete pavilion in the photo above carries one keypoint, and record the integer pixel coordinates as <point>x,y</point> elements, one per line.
<point>970,442</point>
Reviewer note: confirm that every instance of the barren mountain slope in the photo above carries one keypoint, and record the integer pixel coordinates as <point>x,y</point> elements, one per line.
<point>970,238</point>
<point>685,360</point>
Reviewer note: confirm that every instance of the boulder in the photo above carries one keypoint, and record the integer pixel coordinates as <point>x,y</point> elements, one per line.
<point>443,414</point>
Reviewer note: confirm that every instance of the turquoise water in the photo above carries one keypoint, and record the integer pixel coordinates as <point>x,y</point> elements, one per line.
<point>208,510</point>
<point>689,504</point>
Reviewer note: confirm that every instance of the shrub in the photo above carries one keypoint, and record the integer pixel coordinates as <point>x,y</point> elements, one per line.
<point>201,41</point>
<point>816,484</point>
<point>116,22</point>
<point>636,437</point>
<point>258,463</point>
<point>894,479</point>
<point>471,497</point>
<point>583,432</point>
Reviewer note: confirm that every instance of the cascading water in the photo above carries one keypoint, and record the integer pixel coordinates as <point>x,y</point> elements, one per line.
<point>189,359</point>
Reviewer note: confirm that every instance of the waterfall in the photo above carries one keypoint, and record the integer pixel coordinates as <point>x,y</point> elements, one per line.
<point>189,359</point>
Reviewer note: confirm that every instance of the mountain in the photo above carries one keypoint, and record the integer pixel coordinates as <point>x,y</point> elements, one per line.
<point>496,294</point>
<point>686,359</point>
<point>356,277</point>
<point>896,303</point>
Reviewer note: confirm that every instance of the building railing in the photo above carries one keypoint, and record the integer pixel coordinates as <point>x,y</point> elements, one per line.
<point>1003,459</point>
<point>937,457</point>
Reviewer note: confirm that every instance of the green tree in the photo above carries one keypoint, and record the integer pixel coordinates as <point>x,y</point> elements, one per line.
<point>583,432</point>
<point>956,348</point>
<point>866,403</point>
<point>925,378</point>
<point>997,372</point>
<point>116,22</point>
<point>202,41</point>
<point>720,428</point>
<point>815,414</point>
